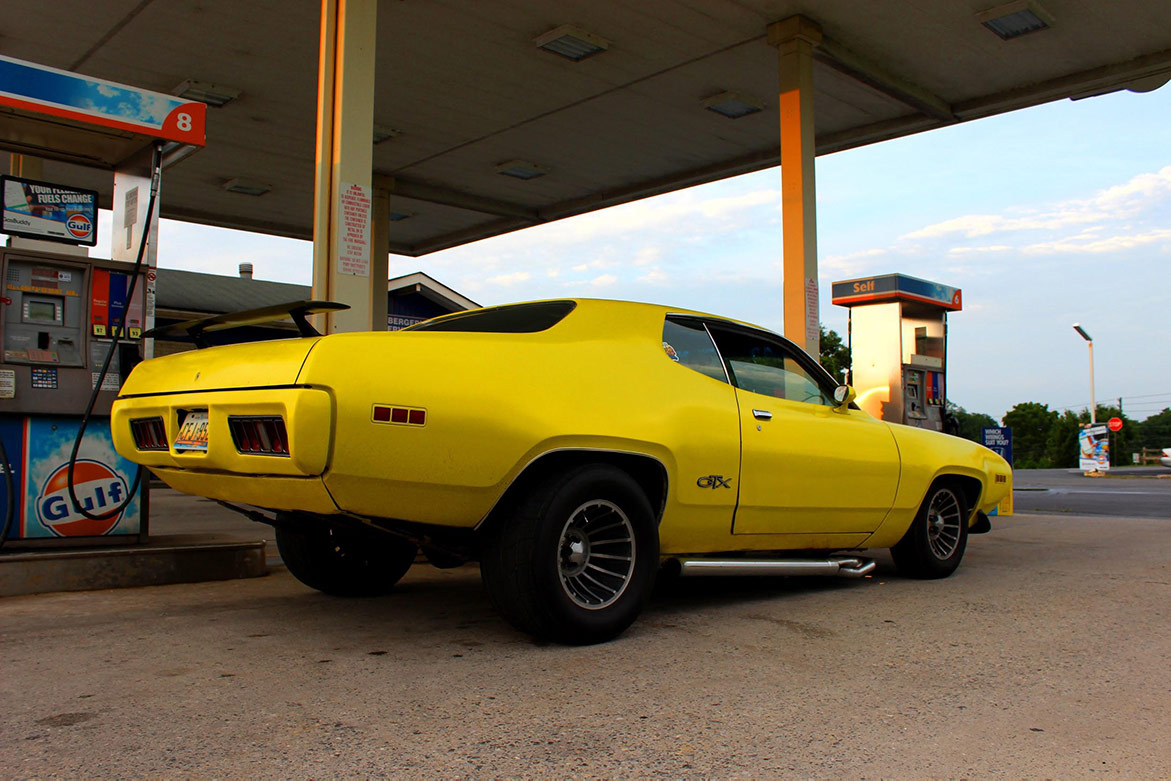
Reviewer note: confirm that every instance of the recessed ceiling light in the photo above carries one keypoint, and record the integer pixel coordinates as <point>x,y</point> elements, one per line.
<point>521,169</point>
<point>572,43</point>
<point>384,133</point>
<point>246,187</point>
<point>400,216</point>
<point>1015,19</point>
<point>733,105</point>
<point>216,95</point>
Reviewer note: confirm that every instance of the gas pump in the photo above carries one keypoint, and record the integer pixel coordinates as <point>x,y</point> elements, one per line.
<point>898,342</point>
<point>71,325</point>
<point>59,317</point>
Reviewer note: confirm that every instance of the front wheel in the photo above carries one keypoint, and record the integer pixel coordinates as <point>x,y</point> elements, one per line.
<point>344,562</point>
<point>576,561</point>
<point>935,543</point>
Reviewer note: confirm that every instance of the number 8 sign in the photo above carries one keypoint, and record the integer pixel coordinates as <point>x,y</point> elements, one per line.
<point>186,123</point>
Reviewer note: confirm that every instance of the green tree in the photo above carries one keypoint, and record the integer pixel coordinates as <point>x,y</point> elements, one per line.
<point>1155,431</point>
<point>1061,447</point>
<point>970,423</point>
<point>1030,423</point>
<point>835,355</point>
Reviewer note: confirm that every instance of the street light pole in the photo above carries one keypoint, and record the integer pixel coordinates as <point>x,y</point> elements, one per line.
<point>1090,341</point>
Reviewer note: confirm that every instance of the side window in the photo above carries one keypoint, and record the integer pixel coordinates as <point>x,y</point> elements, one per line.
<point>687,342</point>
<point>768,367</point>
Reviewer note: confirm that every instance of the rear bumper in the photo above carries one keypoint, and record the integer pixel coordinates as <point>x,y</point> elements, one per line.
<point>307,494</point>
<point>308,414</point>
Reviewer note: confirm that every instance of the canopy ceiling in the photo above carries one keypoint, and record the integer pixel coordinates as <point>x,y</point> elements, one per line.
<point>466,89</point>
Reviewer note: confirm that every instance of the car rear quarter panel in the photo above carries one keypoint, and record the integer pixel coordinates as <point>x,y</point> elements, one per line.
<point>496,402</point>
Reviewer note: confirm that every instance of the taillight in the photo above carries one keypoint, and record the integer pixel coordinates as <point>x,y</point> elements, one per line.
<point>262,436</point>
<point>149,433</point>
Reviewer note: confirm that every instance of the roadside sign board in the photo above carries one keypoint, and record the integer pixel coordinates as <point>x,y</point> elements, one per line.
<point>1094,448</point>
<point>1114,424</point>
<point>998,439</point>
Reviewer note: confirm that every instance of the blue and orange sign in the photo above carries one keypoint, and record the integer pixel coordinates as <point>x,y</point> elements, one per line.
<point>896,287</point>
<point>43,90</point>
<point>39,449</point>
<point>99,491</point>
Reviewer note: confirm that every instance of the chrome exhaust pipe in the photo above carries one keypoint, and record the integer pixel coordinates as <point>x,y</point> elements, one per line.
<point>845,567</point>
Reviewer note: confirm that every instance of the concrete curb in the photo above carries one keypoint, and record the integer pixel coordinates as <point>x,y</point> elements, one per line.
<point>156,564</point>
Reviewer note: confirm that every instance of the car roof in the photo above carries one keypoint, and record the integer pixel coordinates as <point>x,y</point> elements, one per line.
<point>613,304</point>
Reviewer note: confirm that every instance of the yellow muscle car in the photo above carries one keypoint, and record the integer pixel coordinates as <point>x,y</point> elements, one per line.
<point>572,447</point>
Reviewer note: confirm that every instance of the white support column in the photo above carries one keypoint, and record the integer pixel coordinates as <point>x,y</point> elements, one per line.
<point>343,233</point>
<point>795,39</point>
<point>379,262</point>
<point>131,197</point>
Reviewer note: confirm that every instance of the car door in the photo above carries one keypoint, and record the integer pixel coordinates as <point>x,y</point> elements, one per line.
<point>806,467</point>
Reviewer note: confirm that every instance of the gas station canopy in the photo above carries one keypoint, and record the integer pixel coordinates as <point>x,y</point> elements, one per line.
<point>486,119</point>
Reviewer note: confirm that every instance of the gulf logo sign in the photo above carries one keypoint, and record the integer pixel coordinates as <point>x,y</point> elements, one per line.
<point>98,488</point>
<point>79,225</point>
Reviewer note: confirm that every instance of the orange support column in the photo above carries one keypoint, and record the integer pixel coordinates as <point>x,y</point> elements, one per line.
<point>795,39</point>
<point>344,201</point>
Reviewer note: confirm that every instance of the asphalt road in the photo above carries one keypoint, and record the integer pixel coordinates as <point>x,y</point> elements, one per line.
<point>1136,492</point>
<point>1045,655</point>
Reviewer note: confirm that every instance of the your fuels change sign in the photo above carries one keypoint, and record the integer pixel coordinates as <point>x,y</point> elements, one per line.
<point>43,210</point>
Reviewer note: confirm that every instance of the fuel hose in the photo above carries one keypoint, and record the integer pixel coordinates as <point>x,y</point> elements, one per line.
<point>135,273</point>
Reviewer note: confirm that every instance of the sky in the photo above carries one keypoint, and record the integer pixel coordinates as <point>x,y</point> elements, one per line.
<point>1044,217</point>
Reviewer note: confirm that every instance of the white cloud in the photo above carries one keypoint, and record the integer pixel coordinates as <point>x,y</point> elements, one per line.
<point>1139,194</point>
<point>851,262</point>
<point>596,264</point>
<point>654,277</point>
<point>1141,189</point>
<point>978,250</point>
<point>719,207</point>
<point>647,256</point>
<point>605,280</point>
<point>1098,246</point>
<point>508,280</point>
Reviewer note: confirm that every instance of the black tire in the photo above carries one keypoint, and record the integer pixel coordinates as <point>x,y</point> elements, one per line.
<point>541,562</point>
<point>344,562</point>
<point>935,543</point>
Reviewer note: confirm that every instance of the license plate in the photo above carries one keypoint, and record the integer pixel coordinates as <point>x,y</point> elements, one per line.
<point>193,432</point>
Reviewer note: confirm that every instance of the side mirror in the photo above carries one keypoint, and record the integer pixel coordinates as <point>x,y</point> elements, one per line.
<point>843,395</point>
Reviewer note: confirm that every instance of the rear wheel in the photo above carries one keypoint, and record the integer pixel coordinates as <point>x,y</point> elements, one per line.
<point>576,561</point>
<point>344,562</point>
<point>935,543</point>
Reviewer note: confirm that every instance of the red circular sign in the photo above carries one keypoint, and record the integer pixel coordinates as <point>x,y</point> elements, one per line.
<point>1114,424</point>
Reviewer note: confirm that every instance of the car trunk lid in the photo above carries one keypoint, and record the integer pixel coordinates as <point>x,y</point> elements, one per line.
<point>253,365</point>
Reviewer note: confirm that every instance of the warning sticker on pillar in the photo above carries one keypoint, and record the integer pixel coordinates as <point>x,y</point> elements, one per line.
<point>353,230</point>
<point>812,321</point>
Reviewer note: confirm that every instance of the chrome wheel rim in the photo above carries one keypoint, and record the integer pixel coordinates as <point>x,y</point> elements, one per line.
<point>595,557</point>
<point>944,523</point>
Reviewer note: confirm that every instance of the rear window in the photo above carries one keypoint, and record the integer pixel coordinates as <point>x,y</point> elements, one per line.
<point>511,319</point>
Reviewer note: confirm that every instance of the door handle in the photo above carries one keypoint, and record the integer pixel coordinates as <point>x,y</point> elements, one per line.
<point>762,414</point>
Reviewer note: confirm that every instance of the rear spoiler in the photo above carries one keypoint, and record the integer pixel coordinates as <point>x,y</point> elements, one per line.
<point>297,310</point>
